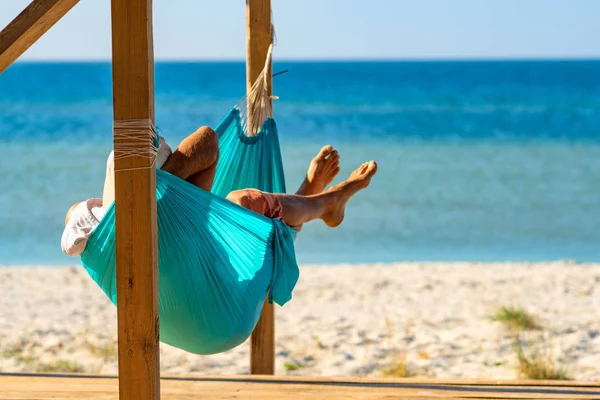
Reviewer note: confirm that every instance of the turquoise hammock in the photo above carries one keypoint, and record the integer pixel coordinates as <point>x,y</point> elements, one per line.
<point>217,261</point>
<point>248,161</point>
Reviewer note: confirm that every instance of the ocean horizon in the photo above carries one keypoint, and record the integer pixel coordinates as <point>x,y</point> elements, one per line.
<point>479,160</point>
<point>321,60</point>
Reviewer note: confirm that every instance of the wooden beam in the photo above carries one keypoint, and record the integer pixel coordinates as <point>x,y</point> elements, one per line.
<point>259,36</point>
<point>29,26</point>
<point>135,195</point>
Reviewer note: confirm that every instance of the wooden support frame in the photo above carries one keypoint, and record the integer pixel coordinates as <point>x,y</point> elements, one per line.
<point>259,36</point>
<point>135,196</point>
<point>135,181</point>
<point>29,26</point>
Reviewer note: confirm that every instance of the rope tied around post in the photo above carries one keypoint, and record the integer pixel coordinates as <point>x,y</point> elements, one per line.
<point>135,138</point>
<point>256,106</point>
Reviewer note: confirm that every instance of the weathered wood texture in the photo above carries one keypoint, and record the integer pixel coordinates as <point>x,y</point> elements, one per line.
<point>255,387</point>
<point>262,343</point>
<point>259,36</point>
<point>135,196</point>
<point>29,26</point>
<point>258,39</point>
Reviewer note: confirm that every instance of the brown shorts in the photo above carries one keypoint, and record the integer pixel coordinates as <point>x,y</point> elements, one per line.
<point>260,202</point>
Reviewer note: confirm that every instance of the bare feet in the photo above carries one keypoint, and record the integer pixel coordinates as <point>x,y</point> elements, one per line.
<point>323,168</point>
<point>341,193</point>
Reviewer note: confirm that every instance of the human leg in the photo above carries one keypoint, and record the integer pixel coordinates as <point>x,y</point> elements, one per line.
<point>195,160</point>
<point>295,210</point>
<point>321,171</point>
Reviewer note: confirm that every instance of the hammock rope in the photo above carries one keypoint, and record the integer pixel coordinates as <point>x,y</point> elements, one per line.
<point>256,106</point>
<point>250,160</point>
<point>136,138</point>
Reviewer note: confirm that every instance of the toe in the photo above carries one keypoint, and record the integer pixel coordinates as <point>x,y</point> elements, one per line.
<point>325,151</point>
<point>333,157</point>
<point>333,164</point>
<point>372,167</point>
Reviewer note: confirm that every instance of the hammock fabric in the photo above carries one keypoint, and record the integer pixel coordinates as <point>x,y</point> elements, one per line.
<point>250,156</point>
<point>248,161</point>
<point>216,263</point>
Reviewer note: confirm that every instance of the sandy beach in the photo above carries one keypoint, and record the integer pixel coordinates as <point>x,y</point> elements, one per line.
<point>433,319</point>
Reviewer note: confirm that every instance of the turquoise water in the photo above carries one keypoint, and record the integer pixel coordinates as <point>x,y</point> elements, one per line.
<point>483,161</point>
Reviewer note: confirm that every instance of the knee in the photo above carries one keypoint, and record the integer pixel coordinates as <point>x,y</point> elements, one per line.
<point>202,145</point>
<point>207,140</point>
<point>207,137</point>
<point>207,131</point>
<point>246,198</point>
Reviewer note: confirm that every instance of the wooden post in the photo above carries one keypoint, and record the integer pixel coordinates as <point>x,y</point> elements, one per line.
<point>135,195</point>
<point>29,26</point>
<point>259,36</point>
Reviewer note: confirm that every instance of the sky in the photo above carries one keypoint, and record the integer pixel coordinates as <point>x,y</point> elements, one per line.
<point>339,29</point>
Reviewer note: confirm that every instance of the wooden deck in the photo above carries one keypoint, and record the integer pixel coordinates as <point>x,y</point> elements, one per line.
<point>42,386</point>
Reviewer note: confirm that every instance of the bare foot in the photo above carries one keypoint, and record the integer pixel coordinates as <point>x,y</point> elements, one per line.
<point>341,193</point>
<point>323,168</point>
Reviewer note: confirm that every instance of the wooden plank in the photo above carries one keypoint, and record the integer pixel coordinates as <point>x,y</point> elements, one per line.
<point>416,380</point>
<point>259,37</point>
<point>29,26</point>
<point>176,388</point>
<point>135,196</point>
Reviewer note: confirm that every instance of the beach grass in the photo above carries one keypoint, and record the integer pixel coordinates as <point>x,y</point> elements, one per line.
<point>516,318</point>
<point>61,366</point>
<point>538,364</point>
<point>291,366</point>
<point>107,351</point>
<point>398,368</point>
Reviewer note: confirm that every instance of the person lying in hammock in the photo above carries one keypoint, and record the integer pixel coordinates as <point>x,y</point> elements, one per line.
<point>195,160</point>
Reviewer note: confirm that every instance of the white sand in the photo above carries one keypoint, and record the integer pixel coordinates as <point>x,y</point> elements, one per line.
<point>343,320</point>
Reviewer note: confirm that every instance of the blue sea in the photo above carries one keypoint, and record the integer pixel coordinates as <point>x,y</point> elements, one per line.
<point>478,161</point>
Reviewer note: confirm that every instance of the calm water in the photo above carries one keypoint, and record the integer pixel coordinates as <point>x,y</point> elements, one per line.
<point>478,160</point>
